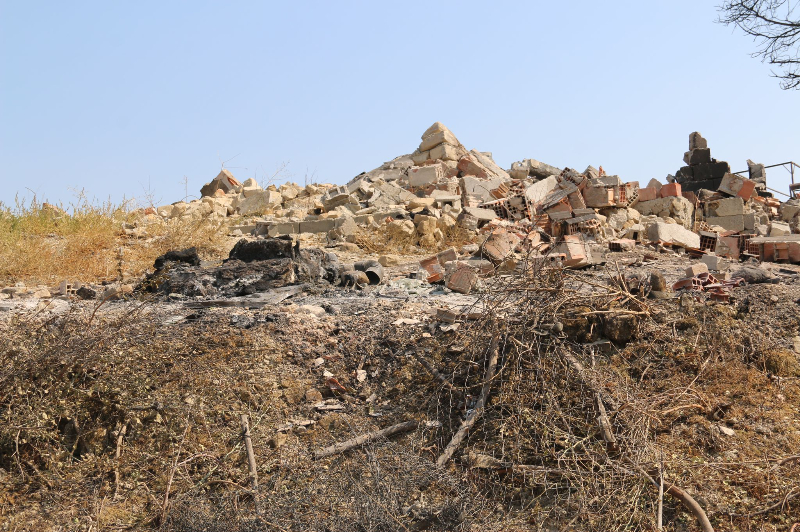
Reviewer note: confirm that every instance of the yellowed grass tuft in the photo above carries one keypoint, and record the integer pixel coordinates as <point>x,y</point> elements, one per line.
<point>41,243</point>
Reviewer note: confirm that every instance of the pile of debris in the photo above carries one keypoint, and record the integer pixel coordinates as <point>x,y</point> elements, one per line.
<point>533,208</point>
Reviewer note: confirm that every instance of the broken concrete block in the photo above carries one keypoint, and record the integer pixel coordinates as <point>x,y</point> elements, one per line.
<point>463,279</point>
<point>712,261</point>
<point>757,172</point>
<point>419,176</point>
<point>317,226</point>
<point>598,196</point>
<point>731,223</point>
<point>654,183</point>
<point>224,181</point>
<point>696,269</point>
<point>426,225</point>
<point>736,185</point>
<point>259,203</point>
<point>486,160</point>
<point>401,228</point>
<point>448,255</point>
<point>537,192</point>
<point>437,127</point>
<point>478,189</point>
<point>787,211</point>
<point>673,234</point>
<point>446,152</point>
<point>696,141</point>
<point>420,203</point>
<point>499,245</point>
<point>574,250</point>
<point>283,228</point>
<point>622,244</point>
<point>420,157</point>
<point>725,207</point>
<point>482,215</point>
<point>435,139</point>
<point>779,229</point>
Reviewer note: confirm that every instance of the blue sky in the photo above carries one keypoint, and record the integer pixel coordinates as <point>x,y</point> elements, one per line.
<point>118,98</point>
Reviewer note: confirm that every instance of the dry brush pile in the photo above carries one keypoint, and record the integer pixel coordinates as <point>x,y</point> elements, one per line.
<point>526,419</point>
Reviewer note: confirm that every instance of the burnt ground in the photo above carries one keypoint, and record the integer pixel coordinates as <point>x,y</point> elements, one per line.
<point>107,408</point>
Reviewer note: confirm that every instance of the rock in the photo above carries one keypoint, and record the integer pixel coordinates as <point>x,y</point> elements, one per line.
<point>388,260</point>
<point>726,431</point>
<point>85,292</point>
<point>753,275</point>
<point>401,228</point>
<point>313,395</point>
<point>658,283</point>
<point>311,309</point>
<point>619,328</point>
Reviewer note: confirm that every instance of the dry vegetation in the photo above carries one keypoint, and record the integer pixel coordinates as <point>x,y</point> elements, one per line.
<point>108,415</point>
<point>87,241</point>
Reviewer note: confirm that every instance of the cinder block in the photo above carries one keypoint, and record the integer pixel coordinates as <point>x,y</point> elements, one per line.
<point>670,189</point>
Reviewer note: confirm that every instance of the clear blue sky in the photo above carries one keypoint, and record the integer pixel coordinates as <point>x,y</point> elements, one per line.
<point>112,96</point>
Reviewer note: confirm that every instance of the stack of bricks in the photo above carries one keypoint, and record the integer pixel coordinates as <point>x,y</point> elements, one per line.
<point>701,171</point>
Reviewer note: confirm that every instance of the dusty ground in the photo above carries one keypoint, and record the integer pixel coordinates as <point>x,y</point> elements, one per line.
<point>107,409</point>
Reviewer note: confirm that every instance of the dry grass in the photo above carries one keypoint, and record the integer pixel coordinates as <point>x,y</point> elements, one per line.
<point>381,241</point>
<point>87,242</point>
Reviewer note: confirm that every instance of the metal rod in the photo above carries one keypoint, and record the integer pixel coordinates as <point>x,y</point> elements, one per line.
<point>779,192</point>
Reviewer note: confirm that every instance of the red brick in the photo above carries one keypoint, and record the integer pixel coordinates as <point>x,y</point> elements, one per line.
<point>671,189</point>
<point>648,194</point>
<point>747,189</point>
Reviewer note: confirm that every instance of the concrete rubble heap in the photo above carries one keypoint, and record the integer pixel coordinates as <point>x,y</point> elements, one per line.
<point>571,217</point>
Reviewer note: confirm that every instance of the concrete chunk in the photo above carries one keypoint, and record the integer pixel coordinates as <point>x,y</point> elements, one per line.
<point>672,234</point>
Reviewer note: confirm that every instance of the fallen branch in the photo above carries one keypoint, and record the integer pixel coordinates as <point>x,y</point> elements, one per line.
<point>117,456</point>
<point>687,500</point>
<point>476,412</point>
<point>251,458</point>
<point>365,438</point>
